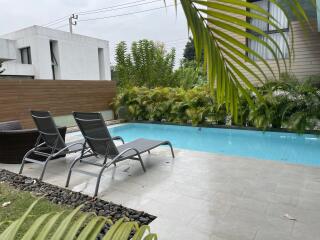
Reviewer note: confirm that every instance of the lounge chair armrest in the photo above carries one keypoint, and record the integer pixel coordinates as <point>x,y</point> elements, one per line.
<point>68,146</point>
<point>120,154</point>
<point>118,138</point>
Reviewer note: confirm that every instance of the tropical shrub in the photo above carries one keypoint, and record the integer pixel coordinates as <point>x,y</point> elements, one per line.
<point>75,225</point>
<point>289,104</point>
<point>189,75</point>
<point>176,105</point>
<point>286,103</point>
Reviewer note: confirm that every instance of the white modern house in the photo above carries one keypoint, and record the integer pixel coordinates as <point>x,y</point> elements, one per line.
<point>43,53</point>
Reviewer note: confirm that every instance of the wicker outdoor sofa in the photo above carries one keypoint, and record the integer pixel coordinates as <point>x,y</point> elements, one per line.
<point>15,141</point>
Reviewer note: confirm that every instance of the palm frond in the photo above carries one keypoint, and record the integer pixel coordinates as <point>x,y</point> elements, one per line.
<point>217,27</point>
<point>75,225</point>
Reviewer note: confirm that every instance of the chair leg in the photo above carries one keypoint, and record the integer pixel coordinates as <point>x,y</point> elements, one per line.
<point>172,152</point>
<point>22,165</point>
<point>70,169</point>
<point>44,168</point>
<point>141,162</point>
<point>148,151</point>
<point>99,179</point>
<point>24,161</point>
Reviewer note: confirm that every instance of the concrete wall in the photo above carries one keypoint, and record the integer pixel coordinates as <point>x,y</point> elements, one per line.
<point>7,50</point>
<point>77,55</point>
<point>17,69</point>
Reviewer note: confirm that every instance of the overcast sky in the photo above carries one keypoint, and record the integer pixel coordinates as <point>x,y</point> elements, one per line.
<point>159,25</point>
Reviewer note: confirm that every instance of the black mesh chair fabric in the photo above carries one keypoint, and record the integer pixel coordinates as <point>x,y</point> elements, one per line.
<point>48,129</point>
<point>96,134</point>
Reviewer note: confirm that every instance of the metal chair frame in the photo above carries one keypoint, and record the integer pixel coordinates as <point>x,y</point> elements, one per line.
<point>114,159</point>
<point>41,145</point>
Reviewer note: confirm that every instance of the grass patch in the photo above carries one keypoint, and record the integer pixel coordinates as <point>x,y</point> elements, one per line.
<point>20,202</point>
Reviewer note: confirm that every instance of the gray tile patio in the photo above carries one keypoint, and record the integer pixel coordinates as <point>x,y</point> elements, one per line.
<point>207,196</point>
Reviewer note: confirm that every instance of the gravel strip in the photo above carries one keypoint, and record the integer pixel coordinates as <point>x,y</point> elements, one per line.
<point>67,197</point>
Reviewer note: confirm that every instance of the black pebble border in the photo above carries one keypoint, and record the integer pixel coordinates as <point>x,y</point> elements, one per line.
<point>67,197</point>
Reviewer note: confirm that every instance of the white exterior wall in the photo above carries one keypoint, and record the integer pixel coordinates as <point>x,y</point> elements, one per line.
<point>7,50</point>
<point>77,55</point>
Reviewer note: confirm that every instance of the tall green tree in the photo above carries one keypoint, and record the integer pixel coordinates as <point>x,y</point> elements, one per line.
<point>189,53</point>
<point>148,64</point>
<point>123,69</point>
<point>217,26</point>
<point>190,73</point>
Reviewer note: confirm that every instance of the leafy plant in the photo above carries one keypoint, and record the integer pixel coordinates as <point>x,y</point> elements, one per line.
<point>148,64</point>
<point>168,104</point>
<point>75,225</point>
<point>190,74</point>
<point>123,70</point>
<point>287,103</point>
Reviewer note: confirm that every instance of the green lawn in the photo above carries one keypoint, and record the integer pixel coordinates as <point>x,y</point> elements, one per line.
<point>20,202</point>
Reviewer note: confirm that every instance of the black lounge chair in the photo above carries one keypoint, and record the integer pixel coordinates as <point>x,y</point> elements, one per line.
<point>101,144</point>
<point>49,144</point>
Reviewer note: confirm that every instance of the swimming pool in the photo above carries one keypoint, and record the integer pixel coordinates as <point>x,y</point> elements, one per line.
<point>286,147</point>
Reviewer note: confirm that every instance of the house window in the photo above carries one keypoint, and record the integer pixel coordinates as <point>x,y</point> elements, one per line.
<point>275,34</point>
<point>102,73</point>
<point>25,55</point>
<point>54,59</point>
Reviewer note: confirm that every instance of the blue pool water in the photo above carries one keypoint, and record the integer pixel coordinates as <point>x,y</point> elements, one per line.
<point>287,147</point>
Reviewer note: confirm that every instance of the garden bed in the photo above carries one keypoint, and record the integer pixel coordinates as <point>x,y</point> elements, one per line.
<point>283,105</point>
<point>68,198</point>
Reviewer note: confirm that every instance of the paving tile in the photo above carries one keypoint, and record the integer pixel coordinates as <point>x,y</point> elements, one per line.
<point>302,215</point>
<point>273,235</point>
<point>310,194</point>
<point>309,204</point>
<point>183,233</point>
<point>313,185</point>
<point>289,190</point>
<point>310,231</point>
<point>256,220</point>
<point>227,231</point>
<point>250,204</point>
<point>206,223</point>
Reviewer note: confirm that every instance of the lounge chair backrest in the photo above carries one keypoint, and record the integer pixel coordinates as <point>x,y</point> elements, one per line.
<point>48,129</point>
<point>96,134</point>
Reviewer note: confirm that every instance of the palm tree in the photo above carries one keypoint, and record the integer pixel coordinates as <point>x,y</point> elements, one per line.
<point>217,26</point>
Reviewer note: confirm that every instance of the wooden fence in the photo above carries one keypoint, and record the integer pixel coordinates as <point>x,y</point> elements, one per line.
<point>61,97</point>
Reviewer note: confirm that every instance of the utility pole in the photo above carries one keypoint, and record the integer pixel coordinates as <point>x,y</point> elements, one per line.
<point>72,21</point>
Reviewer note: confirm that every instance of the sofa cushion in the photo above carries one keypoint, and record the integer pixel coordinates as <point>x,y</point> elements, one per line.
<point>12,125</point>
<point>14,144</point>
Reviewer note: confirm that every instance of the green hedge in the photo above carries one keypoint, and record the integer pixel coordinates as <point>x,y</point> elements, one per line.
<point>289,105</point>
